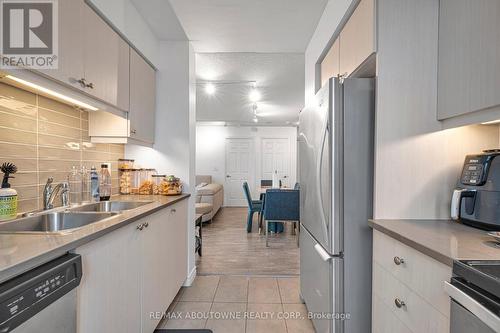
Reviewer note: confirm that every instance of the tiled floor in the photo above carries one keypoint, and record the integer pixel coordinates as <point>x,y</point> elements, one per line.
<point>231,303</point>
<point>229,249</point>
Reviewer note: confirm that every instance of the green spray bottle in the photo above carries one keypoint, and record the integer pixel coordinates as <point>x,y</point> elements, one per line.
<point>8,196</point>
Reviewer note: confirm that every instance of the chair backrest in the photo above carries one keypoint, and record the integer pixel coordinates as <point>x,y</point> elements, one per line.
<point>297,186</point>
<point>266,182</point>
<point>282,205</point>
<point>247,194</point>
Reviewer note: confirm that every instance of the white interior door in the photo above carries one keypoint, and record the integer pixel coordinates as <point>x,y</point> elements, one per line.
<point>240,167</point>
<point>276,157</point>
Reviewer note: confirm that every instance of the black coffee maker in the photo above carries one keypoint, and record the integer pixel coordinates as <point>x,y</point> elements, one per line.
<point>476,200</point>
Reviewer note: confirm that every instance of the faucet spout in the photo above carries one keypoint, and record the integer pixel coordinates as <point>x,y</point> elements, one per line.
<point>50,193</point>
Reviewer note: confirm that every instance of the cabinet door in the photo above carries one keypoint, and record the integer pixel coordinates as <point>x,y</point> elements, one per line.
<point>177,246</point>
<point>142,99</point>
<point>105,57</point>
<point>70,58</point>
<point>156,265</point>
<point>110,291</point>
<point>331,64</point>
<point>469,56</point>
<point>357,39</point>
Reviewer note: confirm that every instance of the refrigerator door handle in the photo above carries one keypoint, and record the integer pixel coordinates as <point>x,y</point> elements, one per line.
<point>325,256</point>
<point>320,181</point>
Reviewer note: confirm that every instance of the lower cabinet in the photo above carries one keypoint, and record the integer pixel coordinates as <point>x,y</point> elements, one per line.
<point>408,294</point>
<point>133,272</point>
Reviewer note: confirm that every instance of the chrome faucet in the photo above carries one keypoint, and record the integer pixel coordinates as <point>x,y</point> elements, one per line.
<point>50,192</point>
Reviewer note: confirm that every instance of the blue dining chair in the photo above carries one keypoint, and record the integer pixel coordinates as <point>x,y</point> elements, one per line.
<point>281,206</point>
<point>254,206</point>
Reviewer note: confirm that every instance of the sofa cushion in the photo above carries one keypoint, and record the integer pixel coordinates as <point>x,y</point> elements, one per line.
<point>203,208</point>
<point>203,179</point>
<point>209,189</point>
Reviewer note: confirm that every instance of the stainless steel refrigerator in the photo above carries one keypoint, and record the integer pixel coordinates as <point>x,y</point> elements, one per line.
<point>336,135</point>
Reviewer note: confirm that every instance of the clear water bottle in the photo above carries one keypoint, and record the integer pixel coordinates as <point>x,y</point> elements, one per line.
<point>75,186</point>
<point>105,183</point>
<point>94,184</point>
<point>86,195</point>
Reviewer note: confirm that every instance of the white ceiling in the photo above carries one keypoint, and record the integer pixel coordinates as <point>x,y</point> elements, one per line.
<point>246,25</point>
<point>242,40</point>
<point>279,77</point>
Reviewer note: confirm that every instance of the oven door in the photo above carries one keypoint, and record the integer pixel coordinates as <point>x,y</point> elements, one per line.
<point>468,314</point>
<point>464,321</point>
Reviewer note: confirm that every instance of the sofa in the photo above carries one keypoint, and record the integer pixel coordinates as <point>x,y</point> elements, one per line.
<point>209,197</point>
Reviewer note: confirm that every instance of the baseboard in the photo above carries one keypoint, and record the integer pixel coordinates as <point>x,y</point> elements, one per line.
<point>190,279</point>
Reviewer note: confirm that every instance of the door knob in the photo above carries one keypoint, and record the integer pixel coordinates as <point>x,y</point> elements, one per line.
<point>399,303</point>
<point>398,261</point>
<point>82,82</point>
<point>228,176</point>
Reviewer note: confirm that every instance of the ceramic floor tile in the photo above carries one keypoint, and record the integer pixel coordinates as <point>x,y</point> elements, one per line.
<point>188,315</point>
<point>290,290</point>
<point>296,319</point>
<point>232,289</point>
<point>202,290</point>
<point>227,318</point>
<point>263,290</point>
<point>264,318</point>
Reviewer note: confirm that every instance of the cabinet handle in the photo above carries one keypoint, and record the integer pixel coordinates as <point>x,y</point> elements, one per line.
<point>133,131</point>
<point>90,85</point>
<point>146,224</point>
<point>82,82</point>
<point>173,210</point>
<point>398,261</point>
<point>140,226</point>
<point>399,303</point>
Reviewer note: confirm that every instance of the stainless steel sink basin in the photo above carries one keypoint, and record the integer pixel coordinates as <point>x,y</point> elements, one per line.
<point>56,222</point>
<point>110,206</point>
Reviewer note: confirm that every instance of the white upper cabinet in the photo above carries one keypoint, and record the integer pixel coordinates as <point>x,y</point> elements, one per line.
<point>357,38</point>
<point>106,58</point>
<point>92,58</point>
<point>330,67</point>
<point>355,44</point>
<point>71,47</point>
<point>469,57</point>
<point>139,127</point>
<point>142,99</point>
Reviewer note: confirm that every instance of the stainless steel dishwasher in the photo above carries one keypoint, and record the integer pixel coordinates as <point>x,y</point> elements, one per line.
<point>42,299</point>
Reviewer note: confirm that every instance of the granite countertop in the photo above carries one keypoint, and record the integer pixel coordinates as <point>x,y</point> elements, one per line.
<point>22,252</point>
<point>443,240</point>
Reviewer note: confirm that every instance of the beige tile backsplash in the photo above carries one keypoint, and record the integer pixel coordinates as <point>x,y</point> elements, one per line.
<point>45,138</point>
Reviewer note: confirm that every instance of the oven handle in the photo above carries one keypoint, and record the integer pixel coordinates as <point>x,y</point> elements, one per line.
<point>476,308</point>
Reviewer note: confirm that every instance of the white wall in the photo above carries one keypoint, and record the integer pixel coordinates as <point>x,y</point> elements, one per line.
<point>416,162</point>
<point>173,152</point>
<point>211,148</point>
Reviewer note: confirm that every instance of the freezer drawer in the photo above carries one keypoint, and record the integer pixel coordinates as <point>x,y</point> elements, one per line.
<point>321,284</point>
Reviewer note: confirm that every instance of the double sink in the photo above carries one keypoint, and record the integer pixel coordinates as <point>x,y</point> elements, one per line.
<point>69,219</point>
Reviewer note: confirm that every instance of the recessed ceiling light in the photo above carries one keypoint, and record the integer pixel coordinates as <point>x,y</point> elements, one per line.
<point>254,95</point>
<point>210,88</point>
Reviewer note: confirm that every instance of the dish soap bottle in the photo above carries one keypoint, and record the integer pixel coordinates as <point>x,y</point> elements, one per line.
<point>8,196</point>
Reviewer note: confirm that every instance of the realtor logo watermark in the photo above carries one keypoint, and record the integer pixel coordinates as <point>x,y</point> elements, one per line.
<point>29,34</point>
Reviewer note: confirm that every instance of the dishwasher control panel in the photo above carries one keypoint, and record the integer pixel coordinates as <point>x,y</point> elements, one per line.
<point>24,296</point>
